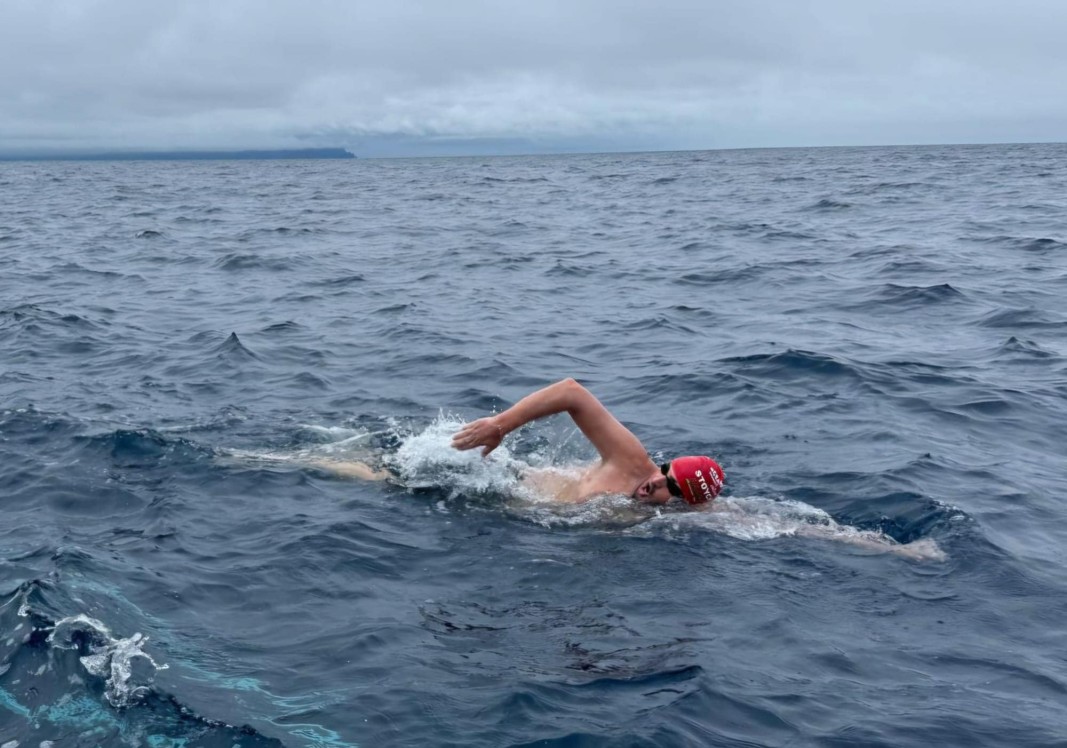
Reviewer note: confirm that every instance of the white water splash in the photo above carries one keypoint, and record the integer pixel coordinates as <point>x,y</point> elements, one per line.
<point>427,459</point>
<point>109,657</point>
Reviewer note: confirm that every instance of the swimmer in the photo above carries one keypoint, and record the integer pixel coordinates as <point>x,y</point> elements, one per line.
<point>624,466</point>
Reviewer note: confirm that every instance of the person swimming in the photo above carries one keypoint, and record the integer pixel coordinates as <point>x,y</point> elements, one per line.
<point>626,469</point>
<point>624,466</point>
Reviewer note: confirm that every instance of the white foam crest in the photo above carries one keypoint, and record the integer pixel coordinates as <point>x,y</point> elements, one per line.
<point>427,459</point>
<point>111,658</point>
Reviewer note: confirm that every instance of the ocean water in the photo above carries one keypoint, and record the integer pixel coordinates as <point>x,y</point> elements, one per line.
<point>873,342</point>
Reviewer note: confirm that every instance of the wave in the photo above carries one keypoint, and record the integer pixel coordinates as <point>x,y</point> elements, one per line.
<point>122,448</point>
<point>29,425</point>
<point>911,267</point>
<point>564,270</point>
<point>730,275</point>
<point>790,362</point>
<point>233,348</point>
<point>72,675</point>
<point>514,180</point>
<point>906,298</point>
<point>283,327</point>
<point>1019,349</point>
<point>33,332</point>
<point>1028,318</point>
<point>340,281</point>
<point>36,317</point>
<point>277,231</point>
<point>1031,244</point>
<point>73,268</point>
<point>827,204</point>
<point>236,261</point>
<point>658,322</point>
<point>141,448</point>
<point>791,236</point>
<point>203,356</point>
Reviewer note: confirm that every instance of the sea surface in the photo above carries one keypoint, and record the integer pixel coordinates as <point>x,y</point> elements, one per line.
<point>872,341</point>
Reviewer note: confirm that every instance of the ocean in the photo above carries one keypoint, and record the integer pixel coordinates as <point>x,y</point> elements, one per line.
<point>872,341</point>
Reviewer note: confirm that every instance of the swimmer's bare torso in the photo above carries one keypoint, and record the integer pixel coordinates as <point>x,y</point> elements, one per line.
<point>567,485</point>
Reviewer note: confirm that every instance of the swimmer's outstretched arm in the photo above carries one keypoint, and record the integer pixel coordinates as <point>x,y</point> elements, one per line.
<point>614,442</point>
<point>349,469</point>
<point>924,549</point>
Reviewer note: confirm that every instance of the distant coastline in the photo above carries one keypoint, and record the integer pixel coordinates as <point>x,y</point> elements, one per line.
<point>300,153</point>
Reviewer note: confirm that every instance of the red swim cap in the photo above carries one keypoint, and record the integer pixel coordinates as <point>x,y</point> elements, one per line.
<point>699,477</point>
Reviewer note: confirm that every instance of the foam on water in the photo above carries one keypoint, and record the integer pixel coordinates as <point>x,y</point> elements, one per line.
<point>427,459</point>
<point>109,657</point>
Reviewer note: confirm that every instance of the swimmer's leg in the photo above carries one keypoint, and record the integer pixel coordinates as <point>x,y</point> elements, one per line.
<point>349,469</point>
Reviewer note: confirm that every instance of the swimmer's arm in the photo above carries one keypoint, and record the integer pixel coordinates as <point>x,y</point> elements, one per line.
<point>350,469</point>
<point>613,441</point>
<point>924,549</point>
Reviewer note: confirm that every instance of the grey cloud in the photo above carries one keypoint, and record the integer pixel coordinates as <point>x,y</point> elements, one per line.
<point>464,74</point>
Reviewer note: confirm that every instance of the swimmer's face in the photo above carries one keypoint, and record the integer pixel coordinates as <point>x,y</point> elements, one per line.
<point>657,488</point>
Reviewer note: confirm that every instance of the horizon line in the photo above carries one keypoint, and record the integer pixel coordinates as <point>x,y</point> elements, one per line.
<point>346,153</point>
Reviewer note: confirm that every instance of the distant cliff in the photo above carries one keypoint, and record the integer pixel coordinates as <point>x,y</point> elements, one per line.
<point>301,153</point>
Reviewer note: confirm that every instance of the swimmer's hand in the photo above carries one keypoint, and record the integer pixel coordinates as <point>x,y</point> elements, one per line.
<point>486,433</point>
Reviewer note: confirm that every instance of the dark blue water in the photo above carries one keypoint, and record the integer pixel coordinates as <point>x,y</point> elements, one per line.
<point>872,341</point>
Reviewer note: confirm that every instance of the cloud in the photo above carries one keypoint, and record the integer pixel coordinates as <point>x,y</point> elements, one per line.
<point>389,76</point>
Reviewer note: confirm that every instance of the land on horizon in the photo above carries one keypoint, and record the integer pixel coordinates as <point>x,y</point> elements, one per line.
<point>205,155</point>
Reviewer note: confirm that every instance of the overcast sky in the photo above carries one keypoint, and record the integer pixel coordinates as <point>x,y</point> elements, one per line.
<point>402,77</point>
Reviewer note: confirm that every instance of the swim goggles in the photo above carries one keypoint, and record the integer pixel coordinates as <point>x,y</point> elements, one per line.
<point>672,485</point>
